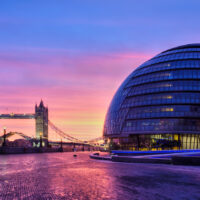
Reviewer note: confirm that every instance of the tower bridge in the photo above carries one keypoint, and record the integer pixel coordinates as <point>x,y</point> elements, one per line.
<point>42,123</point>
<point>40,116</point>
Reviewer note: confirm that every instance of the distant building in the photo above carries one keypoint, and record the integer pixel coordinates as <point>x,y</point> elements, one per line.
<point>19,143</point>
<point>158,105</point>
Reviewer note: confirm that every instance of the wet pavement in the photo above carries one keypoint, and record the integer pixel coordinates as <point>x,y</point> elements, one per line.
<point>62,176</point>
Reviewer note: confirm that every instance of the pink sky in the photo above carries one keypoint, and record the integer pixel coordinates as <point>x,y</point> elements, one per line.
<point>76,87</point>
<point>75,54</point>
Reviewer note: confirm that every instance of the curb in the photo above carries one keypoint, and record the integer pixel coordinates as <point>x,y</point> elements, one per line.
<point>140,160</point>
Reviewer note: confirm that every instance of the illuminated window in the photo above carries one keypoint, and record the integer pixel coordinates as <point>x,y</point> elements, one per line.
<point>167,109</point>
<point>168,85</point>
<point>168,97</point>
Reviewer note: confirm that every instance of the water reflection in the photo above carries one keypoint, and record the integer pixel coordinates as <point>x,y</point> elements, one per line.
<point>61,176</point>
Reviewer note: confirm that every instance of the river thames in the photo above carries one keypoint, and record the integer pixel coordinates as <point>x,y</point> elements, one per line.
<point>62,176</point>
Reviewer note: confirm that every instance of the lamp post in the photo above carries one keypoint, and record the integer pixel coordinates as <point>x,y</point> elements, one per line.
<point>4,136</point>
<point>61,145</point>
<point>40,139</point>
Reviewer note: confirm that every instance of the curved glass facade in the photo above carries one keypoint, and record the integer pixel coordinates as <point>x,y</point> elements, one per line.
<point>158,105</point>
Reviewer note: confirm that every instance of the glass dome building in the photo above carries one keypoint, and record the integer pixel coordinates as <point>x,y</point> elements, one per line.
<point>158,105</point>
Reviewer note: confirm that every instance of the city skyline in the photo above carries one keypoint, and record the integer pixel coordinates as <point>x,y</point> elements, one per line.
<point>75,55</point>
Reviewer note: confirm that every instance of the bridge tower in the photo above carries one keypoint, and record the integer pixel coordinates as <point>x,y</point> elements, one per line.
<point>41,121</point>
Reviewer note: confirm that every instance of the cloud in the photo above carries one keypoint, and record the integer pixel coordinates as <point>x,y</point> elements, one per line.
<point>77,87</point>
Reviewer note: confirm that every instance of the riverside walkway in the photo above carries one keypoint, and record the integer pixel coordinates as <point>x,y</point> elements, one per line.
<point>63,176</point>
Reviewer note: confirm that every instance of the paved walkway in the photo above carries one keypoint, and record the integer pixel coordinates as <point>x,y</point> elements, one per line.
<point>61,176</point>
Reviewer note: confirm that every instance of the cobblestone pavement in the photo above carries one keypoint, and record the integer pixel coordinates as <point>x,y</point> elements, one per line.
<point>62,176</point>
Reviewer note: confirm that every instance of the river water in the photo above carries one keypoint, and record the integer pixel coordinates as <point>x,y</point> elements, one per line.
<point>62,176</point>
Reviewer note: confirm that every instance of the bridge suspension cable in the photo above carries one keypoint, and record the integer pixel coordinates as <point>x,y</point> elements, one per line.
<point>63,134</point>
<point>17,133</point>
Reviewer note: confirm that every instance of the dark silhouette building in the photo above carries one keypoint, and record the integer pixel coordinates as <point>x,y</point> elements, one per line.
<point>158,105</point>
